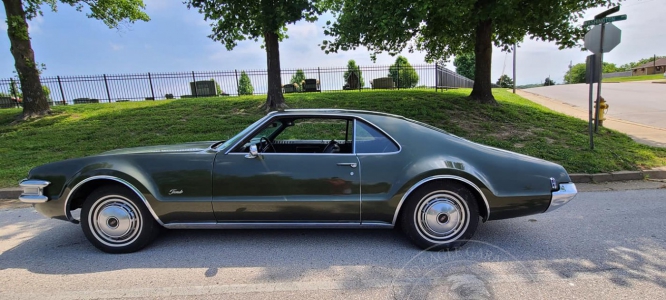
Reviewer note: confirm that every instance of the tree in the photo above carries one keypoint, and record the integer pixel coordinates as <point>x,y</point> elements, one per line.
<point>298,79</point>
<point>455,27</point>
<point>576,74</point>
<point>631,65</point>
<point>245,85</point>
<point>464,64</point>
<point>238,20</point>
<point>505,81</point>
<point>20,11</point>
<point>548,82</point>
<point>403,73</point>
<point>352,67</point>
<point>47,92</point>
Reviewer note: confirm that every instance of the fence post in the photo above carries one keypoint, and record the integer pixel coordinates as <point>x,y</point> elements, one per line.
<point>108,95</point>
<point>318,78</point>
<point>360,83</point>
<point>237,84</point>
<point>436,77</point>
<point>150,80</point>
<point>62,93</point>
<point>397,63</point>
<point>14,90</point>
<point>194,83</point>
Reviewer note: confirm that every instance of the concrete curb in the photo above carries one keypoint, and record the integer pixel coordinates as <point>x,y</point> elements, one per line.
<point>10,193</point>
<point>660,173</point>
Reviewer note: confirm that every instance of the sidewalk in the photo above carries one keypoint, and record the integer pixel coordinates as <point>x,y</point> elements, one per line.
<point>643,134</point>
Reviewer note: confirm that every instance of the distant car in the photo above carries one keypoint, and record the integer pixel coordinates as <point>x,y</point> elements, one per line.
<point>301,169</point>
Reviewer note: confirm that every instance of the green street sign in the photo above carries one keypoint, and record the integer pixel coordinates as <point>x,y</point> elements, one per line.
<point>605,20</point>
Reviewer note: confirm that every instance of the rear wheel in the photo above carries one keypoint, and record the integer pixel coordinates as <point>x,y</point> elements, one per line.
<point>440,215</point>
<point>114,220</point>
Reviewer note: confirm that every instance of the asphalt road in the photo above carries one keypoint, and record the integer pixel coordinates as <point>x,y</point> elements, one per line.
<point>603,245</point>
<point>639,102</point>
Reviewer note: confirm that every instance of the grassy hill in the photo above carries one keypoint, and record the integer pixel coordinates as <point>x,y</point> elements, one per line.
<point>516,124</point>
<point>635,78</point>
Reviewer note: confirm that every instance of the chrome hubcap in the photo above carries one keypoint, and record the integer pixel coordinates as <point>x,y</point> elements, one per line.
<point>442,216</point>
<point>115,221</point>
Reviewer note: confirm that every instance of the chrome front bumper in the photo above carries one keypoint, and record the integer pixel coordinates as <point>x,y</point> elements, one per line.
<point>562,196</point>
<point>33,191</point>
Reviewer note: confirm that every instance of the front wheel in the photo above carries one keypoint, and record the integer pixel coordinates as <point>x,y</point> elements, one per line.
<point>114,220</point>
<point>440,215</point>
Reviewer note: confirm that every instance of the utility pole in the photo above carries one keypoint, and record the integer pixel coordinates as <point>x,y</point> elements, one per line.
<point>514,68</point>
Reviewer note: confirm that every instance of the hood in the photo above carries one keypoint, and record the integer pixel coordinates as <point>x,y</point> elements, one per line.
<point>186,147</point>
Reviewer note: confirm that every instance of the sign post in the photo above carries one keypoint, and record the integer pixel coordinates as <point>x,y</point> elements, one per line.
<point>602,38</point>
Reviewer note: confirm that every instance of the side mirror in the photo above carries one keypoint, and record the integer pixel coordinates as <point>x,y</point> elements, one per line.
<point>253,152</point>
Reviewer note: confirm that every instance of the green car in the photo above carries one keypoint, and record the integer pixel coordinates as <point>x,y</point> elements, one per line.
<point>301,169</point>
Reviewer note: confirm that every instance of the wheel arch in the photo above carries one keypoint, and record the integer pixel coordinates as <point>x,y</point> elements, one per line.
<point>480,197</point>
<point>84,187</point>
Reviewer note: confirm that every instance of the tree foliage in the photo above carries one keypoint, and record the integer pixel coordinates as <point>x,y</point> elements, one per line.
<point>239,20</point>
<point>640,62</point>
<point>113,13</point>
<point>245,85</point>
<point>403,73</point>
<point>577,73</point>
<point>465,65</point>
<point>505,81</point>
<point>298,79</point>
<point>455,27</point>
<point>218,88</point>
<point>352,67</point>
<point>548,82</point>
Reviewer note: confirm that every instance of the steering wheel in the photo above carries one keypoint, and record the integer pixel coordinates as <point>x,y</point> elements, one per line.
<point>268,143</point>
<point>332,147</point>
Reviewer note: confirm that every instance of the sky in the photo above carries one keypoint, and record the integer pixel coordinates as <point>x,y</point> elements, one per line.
<point>176,39</point>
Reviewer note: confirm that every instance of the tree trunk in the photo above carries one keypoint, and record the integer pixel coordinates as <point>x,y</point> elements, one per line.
<point>275,99</point>
<point>483,51</point>
<point>34,100</point>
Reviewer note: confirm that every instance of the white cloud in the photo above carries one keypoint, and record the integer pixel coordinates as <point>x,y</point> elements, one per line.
<point>302,30</point>
<point>35,25</point>
<point>116,47</point>
<point>3,25</point>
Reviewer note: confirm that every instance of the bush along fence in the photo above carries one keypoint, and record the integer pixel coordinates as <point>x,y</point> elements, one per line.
<point>62,90</point>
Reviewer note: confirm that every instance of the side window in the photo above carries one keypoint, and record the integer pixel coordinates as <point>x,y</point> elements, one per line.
<point>315,129</point>
<point>371,140</point>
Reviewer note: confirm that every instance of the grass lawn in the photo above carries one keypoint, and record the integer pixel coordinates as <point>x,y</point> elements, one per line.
<point>517,125</point>
<point>635,78</point>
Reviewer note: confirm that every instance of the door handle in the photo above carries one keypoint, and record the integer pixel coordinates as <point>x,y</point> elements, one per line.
<point>353,165</point>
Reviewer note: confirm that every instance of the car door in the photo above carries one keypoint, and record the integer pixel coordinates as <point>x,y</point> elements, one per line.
<point>288,187</point>
<point>382,166</point>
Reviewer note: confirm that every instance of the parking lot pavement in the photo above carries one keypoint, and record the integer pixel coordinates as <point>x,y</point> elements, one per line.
<point>601,245</point>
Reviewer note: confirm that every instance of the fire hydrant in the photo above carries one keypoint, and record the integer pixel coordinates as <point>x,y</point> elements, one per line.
<point>603,110</point>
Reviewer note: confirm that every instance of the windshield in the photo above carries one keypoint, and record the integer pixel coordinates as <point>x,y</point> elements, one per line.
<point>233,140</point>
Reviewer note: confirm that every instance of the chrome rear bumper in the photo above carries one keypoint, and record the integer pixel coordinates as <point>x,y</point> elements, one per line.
<point>562,196</point>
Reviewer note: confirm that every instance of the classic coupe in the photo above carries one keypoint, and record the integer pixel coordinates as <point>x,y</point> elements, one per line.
<point>301,169</point>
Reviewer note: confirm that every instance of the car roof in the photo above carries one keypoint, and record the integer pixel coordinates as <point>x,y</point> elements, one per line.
<point>333,111</point>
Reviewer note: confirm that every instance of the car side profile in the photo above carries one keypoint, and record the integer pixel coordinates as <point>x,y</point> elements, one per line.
<point>325,168</point>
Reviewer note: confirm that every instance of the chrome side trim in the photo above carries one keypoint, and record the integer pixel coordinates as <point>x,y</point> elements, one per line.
<point>562,196</point>
<point>33,191</point>
<point>415,186</point>
<point>107,177</point>
<point>275,225</point>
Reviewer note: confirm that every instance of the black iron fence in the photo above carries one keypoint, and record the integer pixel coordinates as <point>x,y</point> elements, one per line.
<point>156,86</point>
